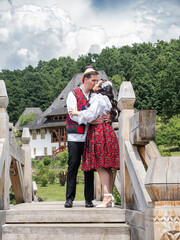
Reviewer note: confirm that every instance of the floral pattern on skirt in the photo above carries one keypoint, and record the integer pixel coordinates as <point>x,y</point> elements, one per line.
<point>101,148</point>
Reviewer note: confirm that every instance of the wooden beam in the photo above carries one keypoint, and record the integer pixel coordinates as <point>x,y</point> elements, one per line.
<point>4,134</point>
<point>2,155</point>
<point>137,175</point>
<point>16,151</point>
<point>27,167</point>
<point>144,156</point>
<point>17,181</point>
<point>143,127</point>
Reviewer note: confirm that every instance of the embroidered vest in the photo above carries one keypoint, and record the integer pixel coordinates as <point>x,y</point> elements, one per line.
<point>71,126</point>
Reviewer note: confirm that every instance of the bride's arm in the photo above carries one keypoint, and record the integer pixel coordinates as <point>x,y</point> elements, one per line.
<point>73,112</point>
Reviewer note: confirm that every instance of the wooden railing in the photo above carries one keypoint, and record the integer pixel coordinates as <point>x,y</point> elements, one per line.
<point>58,150</point>
<point>15,161</point>
<point>148,183</point>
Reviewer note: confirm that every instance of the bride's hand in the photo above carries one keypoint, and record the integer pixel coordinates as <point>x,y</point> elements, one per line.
<point>73,112</point>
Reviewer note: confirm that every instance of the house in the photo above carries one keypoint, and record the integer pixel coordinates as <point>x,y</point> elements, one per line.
<point>48,130</point>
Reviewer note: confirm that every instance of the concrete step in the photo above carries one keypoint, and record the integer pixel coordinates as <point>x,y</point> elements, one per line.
<point>56,213</point>
<point>51,221</point>
<point>66,231</point>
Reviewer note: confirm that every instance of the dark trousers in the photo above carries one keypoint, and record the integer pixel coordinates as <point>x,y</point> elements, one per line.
<point>75,150</point>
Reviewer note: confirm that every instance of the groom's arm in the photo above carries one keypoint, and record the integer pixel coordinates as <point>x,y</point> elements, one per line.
<point>98,120</point>
<point>71,104</point>
<point>104,118</point>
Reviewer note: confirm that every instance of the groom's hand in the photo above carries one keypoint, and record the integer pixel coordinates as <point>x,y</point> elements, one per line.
<point>107,117</point>
<point>98,120</point>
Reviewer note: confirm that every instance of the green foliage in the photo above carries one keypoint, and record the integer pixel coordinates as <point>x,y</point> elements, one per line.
<point>33,162</point>
<point>80,178</point>
<point>25,119</point>
<point>169,134</point>
<point>117,80</point>
<point>62,175</point>
<point>62,158</point>
<point>40,165</point>
<point>19,143</point>
<point>52,177</point>
<point>46,161</point>
<point>42,174</point>
<point>11,196</point>
<point>116,195</point>
<point>17,133</point>
<point>44,180</point>
<point>163,152</point>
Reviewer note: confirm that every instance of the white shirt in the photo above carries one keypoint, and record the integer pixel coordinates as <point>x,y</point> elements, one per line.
<point>99,105</point>
<point>72,104</point>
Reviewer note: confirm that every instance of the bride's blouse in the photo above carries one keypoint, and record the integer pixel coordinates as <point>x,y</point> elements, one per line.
<point>99,105</point>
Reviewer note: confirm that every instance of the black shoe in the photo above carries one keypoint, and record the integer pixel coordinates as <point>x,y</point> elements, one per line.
<point>89,204</point>
<point>68,203</point>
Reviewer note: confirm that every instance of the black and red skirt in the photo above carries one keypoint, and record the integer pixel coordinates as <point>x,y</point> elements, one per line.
<point>101,148</point>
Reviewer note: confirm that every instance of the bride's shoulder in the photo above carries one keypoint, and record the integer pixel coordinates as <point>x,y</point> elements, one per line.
<point>94,96</point>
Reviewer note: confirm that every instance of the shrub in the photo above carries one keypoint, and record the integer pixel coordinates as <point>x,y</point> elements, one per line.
<point>62,158</point>
<point>52,177</point>
<point>40,165</point>
<point>41,175</point>
<point>34,162</point>
<point>62,175</point>
<point>44,180</point>
<point>46,161</point>
<point>35,176</point>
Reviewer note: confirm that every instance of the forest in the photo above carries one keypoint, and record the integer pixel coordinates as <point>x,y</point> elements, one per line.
<point>152,68</point>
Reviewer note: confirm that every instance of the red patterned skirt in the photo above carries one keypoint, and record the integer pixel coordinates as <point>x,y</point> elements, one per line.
<point>101,148</point>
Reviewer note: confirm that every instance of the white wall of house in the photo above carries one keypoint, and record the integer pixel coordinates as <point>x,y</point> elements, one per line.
<point>42,147</point>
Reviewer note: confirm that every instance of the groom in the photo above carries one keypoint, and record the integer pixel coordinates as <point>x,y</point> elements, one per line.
<point>76,135</point>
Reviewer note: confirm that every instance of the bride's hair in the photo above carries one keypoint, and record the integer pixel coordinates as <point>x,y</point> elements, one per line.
<point>107,90</point>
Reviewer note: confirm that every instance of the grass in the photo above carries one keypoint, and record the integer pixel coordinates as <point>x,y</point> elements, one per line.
<point>56,192</point>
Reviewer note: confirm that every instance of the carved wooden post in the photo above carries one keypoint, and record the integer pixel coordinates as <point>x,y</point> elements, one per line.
<point>4,148</point>
<point>27,166</point>
<point>126,101</point>
<point>163,185</point>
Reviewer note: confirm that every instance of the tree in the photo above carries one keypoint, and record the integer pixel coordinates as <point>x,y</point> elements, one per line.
<point>117,80</point>
<point>169,134</point>
<point>25,119</point>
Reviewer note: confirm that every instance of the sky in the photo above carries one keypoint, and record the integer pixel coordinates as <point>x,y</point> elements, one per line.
<point>33,30</point>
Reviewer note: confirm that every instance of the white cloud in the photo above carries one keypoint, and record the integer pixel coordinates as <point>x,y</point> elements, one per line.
<point>33,30</point>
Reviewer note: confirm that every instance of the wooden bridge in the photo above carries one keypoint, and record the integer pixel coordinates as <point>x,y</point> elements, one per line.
<point>148,183</point>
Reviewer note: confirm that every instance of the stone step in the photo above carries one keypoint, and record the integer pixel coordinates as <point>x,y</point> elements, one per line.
<point>56,213</point>
<point>66,231</point>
